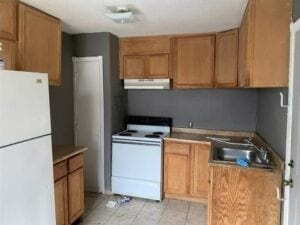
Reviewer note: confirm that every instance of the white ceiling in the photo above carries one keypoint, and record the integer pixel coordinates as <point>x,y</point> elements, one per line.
<point>155,16</point>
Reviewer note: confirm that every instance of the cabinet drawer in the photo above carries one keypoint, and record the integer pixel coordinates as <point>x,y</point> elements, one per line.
<point>75,162</point>
<point>60,170</point>
<point>177,148</point>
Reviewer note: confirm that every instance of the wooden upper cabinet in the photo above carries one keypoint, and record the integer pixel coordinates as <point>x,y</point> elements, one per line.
<point>226,63</point>
<point>245,46</point>
<point>158,66</point>
<point>194,61</point>
<point>9,55</point>
<point>144,57</point>
<point>8,20</point>
<point>39,43</point>
<point>134,67</point>
<point>145,45</point>
<point>199,170</point>
<point>264,44</point>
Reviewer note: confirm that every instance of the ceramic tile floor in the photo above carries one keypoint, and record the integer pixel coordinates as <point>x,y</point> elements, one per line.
<point>142,212</point>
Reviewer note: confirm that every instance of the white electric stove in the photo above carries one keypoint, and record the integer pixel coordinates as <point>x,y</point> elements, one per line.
<point>137,157</point>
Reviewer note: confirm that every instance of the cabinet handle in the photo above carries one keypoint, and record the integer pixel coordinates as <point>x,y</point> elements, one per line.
<point>279,197</point>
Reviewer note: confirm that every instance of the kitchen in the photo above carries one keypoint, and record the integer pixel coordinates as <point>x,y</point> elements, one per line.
<point>222,105</point>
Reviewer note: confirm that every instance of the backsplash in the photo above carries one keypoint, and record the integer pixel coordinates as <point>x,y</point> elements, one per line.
<point>220,109</point>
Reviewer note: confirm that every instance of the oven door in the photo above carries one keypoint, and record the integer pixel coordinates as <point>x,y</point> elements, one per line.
<point>137,160</point>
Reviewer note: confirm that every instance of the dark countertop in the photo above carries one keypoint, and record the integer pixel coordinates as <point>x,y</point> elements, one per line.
<point>63,152</point>
<point>198,138</point>
<point>201,137</point>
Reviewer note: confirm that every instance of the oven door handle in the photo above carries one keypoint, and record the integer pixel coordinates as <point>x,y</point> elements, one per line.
<point>136,143</point>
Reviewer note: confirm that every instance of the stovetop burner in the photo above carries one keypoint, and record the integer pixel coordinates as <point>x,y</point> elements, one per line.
<point>131,131</point>
<point>152,136</point>
<point>158,133</point>
<point>125,134</point>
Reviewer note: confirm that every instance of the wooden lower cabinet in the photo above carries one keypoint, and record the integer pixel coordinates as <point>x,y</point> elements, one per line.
<point>61,201</point>
<point>76,194</point>
<point>199,170</point>
<point>69,190</point>
<point>243,196</point>
<point>186,170</point>
<point>176,173</point>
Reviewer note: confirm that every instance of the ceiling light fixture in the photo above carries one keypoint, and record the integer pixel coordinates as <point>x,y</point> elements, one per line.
<point>122,15</point>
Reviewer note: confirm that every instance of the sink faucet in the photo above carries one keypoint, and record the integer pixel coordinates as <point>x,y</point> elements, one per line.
<point>263,152</point>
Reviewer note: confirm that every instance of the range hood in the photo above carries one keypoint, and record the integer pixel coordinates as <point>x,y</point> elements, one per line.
<point>147,83</point>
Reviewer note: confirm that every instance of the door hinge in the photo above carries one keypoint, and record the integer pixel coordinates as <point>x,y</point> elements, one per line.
<point>291,163</point>
<point>289,182</point>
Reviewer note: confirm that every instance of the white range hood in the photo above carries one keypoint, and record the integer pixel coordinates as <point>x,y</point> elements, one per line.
<point>147,83</point>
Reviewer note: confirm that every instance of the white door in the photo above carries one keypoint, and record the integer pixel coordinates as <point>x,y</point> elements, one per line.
<point>292,193</point>
<point>27,184</point>
<point>88,104</point>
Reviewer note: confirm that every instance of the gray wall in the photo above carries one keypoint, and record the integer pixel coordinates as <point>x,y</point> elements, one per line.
<point>296,9</point>
<point>118,94</point>
<point>272,119</point>
<point>221,109</point>
<point>61,98</point>
<point>107,45</point>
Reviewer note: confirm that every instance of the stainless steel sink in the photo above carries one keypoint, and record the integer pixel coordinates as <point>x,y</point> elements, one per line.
<point>231,154</point>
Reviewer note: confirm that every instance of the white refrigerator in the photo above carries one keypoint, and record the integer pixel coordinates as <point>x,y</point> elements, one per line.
<point>26,166</point>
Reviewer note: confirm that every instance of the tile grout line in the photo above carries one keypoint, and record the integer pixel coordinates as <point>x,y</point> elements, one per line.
<point>98,200</point>
<point>92,208</point>
<point>138,213</point>
<point>163,211</point>
<point>187,214</point>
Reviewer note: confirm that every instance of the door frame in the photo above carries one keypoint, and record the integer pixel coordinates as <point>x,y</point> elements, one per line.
<point>101,138</point>
<point>294,28</point>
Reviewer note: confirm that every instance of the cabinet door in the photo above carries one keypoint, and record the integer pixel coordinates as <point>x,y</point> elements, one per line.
<point>8,19</point>
<point>137,46</point>
<point>271,38</point>
<point>176,168</point>
<point>199,170</point>
<point>9,55</point>
<point>61,201</point>
<point>158,66</point>
<point>194,61</point>
<point>134,67</point>
<point>239,196</point>
<point>245,46</point>
<point>226,59</point>
<point>39,43</point>
<point>75,194</point>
